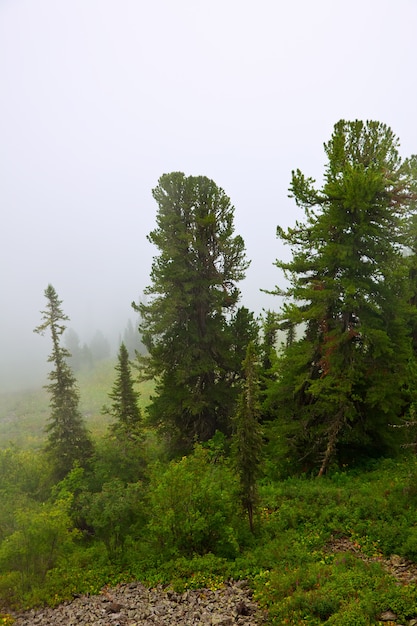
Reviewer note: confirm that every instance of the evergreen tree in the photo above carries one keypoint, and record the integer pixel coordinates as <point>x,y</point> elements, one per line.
<point>121,454</point>
<point>68,440</point>
<point>124,408</point>
<point>269,342</point>
<point>247,438</point>
<point>268,358</point>
<point>342,381</point>
<point>244,328</point>
<point>186,325</point>
<point>410,255</point>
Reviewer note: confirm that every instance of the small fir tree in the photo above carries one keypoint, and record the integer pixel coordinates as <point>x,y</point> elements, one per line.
<point>68,439</point>
<point>247,439</point>
<point>124,408</point>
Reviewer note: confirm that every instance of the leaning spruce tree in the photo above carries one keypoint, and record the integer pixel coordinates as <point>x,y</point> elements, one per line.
<point>190,325</point>
<point>341,378</point>
<point>68,440</point>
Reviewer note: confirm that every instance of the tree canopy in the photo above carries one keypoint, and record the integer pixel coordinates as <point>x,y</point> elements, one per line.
<point>189,322</point>
<point>342,380</point>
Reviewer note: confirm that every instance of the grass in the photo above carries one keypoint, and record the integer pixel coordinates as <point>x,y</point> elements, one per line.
<point>24,414</point>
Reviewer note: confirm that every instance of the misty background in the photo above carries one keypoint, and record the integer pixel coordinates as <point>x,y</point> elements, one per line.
<point>99,98</point>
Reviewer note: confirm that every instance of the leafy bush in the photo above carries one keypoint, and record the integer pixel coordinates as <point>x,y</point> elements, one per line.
<point>43,535</point>
<point>114,512</point>
<point>193,507</point>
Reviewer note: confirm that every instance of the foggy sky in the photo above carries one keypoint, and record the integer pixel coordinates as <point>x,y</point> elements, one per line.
<point>99,98</point>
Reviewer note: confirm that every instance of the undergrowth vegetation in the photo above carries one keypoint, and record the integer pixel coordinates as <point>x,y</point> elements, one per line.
<point>181,525</point>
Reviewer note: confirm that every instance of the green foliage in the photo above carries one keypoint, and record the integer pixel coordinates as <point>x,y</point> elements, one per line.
<point>194,347</point>
<point>24,472</point>
<point>24,482</point>
<point>120,455</point>
<point>85,570</point>
<point>113,513</point>
<point>114,457</point>
<point>197,572</point>
<point>43,534</point>
<point>193,507</point>
<point>185,530</point>
<point>308,582</point>
<point>346,592</point>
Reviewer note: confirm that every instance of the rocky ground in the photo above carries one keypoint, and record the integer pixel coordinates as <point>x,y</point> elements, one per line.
<point>133,605</point>
<point>404,571</point>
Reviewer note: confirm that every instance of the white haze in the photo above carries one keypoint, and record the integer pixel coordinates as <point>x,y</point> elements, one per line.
<point>101,97</point>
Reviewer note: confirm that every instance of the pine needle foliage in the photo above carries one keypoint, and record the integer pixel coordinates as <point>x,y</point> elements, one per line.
<point>341,381</point>
<point>124,407</point>
<point>189,324</point>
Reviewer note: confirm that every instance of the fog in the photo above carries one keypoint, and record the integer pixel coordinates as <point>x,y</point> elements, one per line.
<point>100,98</point>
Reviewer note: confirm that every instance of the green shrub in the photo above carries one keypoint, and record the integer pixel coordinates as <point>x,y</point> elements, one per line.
<point>344,590</point>
<point>114,512</point>
<point>351,615</point>
<point>43,535</point>
<point>193,507</point>
<point>409,547</point>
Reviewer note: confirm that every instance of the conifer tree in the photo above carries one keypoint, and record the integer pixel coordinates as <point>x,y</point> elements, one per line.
<point>124,408</point>
<point>189,321</point>
<point>341,380</point>
<point>247,437</point>
<point>268,357</point>
<point>68,441</point>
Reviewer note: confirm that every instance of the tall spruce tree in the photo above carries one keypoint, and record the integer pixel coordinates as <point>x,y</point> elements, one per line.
<point>247,438</point>
<point>188,325</point>
<point>341,378</point>
<point>68,440</point>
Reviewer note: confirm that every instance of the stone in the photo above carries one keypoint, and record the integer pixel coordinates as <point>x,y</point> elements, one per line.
<point>133,604</point>
<point>388,616</point>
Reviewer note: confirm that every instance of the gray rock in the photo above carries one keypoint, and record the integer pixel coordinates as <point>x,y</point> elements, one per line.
<point>388,616</point>
<point>133,605</point>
